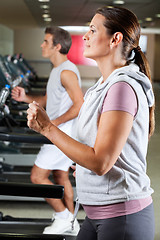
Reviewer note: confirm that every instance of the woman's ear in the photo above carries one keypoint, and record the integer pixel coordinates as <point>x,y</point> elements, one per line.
<point>116,39</point>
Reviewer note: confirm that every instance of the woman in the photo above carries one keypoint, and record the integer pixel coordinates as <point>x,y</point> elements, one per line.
<point>114,125</point>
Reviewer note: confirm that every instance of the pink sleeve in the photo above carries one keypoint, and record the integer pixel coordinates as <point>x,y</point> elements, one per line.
<point>121,97</point>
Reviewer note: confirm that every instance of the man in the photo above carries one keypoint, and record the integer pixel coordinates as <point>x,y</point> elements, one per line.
<point>63,100</point>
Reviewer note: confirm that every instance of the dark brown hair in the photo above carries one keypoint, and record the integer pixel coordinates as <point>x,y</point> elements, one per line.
<point>60,36</point>
<point>124,21</point>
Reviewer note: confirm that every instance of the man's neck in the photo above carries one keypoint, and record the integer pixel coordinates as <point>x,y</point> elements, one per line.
<point>58,60</point>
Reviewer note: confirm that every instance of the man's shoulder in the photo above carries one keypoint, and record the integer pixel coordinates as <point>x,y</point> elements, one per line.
<point>69,64</point>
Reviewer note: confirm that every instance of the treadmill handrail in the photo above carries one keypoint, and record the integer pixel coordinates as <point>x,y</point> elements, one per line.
<point>6,236</point>
<point>31,190</point>
<point>24,138</point>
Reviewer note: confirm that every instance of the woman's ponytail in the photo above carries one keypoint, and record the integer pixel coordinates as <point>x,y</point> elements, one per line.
<point>142,62</point>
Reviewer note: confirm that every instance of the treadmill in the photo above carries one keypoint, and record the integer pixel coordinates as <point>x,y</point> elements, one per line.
<point>25,226</point>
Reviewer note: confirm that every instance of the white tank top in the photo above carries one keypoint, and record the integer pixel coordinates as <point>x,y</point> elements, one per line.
<point>58,100</point>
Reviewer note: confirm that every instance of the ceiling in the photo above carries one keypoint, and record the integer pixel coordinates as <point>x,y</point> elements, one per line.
<point>17,14</point>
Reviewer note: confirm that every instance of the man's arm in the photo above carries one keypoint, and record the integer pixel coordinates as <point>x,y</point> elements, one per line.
<point>38,98</point>
<point>18,94</point>
<point>69,81</point>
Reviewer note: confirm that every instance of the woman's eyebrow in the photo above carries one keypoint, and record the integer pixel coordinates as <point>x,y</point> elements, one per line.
<point>92,25</point>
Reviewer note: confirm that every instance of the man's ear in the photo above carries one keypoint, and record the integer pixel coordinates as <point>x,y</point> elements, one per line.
<point>58,46</point>
<point>116,39</point>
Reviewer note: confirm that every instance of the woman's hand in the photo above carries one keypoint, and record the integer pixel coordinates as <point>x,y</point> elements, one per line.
<point>38,119</point>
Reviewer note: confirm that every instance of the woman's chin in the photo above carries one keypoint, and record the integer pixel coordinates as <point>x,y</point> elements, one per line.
<point>87,55</point>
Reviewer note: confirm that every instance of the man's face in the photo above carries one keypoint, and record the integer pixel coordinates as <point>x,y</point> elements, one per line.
<point>47,46</point>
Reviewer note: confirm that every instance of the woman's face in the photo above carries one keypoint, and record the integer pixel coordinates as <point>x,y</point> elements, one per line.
<point>97,41</point>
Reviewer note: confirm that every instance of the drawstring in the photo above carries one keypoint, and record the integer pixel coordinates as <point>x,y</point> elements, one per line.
<point>75,213</point>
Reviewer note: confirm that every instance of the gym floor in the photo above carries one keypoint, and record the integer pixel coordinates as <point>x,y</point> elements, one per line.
<point>39,209</point>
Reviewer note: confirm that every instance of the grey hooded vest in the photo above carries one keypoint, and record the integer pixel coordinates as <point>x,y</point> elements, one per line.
<point>127,179</point>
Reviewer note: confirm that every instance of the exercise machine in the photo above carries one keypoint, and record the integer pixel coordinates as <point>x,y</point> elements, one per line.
<point>14,229</point>
<point>25,189</point>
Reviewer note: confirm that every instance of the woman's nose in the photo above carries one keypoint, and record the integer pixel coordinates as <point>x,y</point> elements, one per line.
<point>85,37</point>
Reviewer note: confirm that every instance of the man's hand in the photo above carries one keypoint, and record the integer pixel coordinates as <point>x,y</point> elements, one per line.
<point>18,94</point>
<point>74,168</point>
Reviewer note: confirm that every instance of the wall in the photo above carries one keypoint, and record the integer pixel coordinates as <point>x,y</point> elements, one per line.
<point>157,59</point>
<point>28,42</point>
<point>6,41</point>
<point>151,52</point>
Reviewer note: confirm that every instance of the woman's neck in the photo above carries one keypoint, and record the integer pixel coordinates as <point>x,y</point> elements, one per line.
<point>108,65</point>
